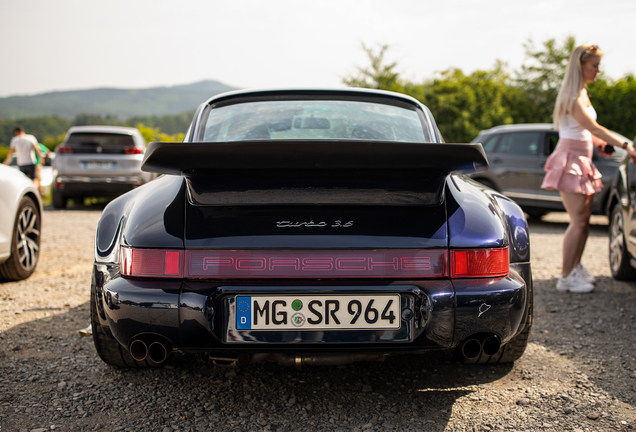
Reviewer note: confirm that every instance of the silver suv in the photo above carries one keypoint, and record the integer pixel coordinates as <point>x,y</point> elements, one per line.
<point>98,161</point>
<point>517,154</point>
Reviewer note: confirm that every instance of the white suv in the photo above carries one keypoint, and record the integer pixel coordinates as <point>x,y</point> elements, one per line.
<point>98,161</point>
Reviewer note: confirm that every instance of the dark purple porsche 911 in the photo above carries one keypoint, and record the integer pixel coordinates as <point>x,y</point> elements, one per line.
<point>311,227</point>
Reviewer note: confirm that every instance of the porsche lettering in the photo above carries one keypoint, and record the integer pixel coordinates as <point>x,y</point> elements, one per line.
<point>349,263</point>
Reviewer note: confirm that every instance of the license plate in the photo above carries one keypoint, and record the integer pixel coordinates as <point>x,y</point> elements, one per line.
<point>98,165</point>
<point>338,312</point>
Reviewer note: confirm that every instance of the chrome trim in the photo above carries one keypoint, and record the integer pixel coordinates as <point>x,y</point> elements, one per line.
<point>523,195</point>
<point>86,179</point>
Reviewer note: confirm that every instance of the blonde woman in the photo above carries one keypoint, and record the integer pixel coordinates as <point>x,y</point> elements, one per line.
<point>570,170</point>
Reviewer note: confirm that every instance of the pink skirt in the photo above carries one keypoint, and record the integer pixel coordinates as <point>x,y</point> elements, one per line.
<point>570,169</point>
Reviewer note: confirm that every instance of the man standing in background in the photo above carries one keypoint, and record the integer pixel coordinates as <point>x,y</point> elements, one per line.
<point>24,146</point>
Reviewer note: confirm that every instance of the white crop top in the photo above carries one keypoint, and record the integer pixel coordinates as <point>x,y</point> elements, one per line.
<point>571,129</point>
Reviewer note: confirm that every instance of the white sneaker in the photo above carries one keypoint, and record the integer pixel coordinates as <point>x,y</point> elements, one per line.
<point>573,284</point>
<point>583,274</point>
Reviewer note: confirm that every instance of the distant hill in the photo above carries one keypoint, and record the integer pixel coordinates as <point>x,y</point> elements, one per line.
<point>122,103</point>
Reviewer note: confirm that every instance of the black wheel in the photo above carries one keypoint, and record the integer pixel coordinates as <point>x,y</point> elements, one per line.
<point>534,213</point>
<point>79,201</point>
<point>619,257</point>
<point>25,244</point>
<point>59,201</point>
<point>515,347</point>
<point>108,349</point>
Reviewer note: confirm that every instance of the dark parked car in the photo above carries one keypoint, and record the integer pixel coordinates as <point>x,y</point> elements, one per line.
<point>517,154</point>
<point>311,228</point>
<point>98,161</point>
<point>621,210</point>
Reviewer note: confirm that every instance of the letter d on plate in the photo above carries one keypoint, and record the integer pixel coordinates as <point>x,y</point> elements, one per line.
<point>243,313</point>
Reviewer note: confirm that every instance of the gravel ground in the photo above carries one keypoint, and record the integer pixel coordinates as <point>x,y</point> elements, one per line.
<point>578,374</point>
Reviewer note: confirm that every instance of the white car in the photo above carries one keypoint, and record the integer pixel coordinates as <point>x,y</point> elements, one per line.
<point>46,172</point>
<point>20,223</point>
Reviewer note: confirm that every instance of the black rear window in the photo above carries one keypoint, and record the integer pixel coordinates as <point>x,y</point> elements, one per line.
<point>99,142</point>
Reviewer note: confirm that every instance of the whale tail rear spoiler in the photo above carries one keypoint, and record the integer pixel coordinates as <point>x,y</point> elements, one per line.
<point>314,172</point>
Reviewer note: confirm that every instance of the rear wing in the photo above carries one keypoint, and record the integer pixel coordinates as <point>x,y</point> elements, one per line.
<point>314,172</point>
<point>180,158</point>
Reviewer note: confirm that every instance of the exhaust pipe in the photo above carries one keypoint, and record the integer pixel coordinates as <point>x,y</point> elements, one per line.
<point>157,352</point>
<point>138,350</point>
<point>151,348</point>
<point>491,345</point>
<point>471,349</point>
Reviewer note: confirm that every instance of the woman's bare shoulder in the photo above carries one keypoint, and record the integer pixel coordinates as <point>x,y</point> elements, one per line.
<point>584,98</point>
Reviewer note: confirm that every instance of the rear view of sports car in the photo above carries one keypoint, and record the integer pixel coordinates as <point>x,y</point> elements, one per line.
<point>311,227</point>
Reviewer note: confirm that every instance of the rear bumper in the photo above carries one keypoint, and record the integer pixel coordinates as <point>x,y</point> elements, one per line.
<point>199,316</point>
<point>95,186</point>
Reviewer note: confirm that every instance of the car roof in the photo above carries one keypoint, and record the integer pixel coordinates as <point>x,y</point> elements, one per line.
<point>532,127</point>
<point>520,127</point>
<point>104,129</point>
<point>314,91</point>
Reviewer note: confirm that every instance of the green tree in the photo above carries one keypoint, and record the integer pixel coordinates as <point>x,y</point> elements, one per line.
<point>155,135</point>
<point>541,76</point>
<point>53,141</point>
<point>615,103</point>
<point>378,75</point>
<point>170,124</point>
<point>95,119</point>
<point>464,105</point>
<point>40,127</point>
<point>4,151</point>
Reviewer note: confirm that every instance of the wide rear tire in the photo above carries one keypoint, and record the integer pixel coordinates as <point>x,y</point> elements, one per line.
<point>108,349</point>
<point>59,200</point>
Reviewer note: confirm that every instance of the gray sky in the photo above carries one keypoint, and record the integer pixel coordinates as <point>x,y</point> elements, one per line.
<point>49,45</point>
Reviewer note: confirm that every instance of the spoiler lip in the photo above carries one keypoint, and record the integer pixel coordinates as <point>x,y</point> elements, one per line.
<point>177,158</point>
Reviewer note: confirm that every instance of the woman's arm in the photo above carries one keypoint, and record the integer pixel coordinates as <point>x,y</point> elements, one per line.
<point>584,119</point>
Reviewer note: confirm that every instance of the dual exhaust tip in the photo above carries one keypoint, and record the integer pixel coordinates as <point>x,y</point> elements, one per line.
<point>156,351</point>
<point>473,348</point>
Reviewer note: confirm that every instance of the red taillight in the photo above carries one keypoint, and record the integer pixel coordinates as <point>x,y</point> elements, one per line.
<point>304,264</point>
<point>64,149</point>
<point>151,263</point>
<point>388,263</point>
<point>132,150</point>
<point>469,263</point>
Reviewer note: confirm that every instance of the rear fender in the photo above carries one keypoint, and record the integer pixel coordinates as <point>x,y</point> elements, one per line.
<point>156,223</point>
<point>481,217</point>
